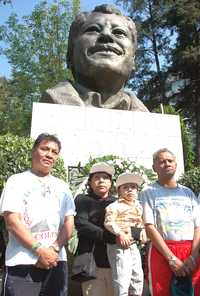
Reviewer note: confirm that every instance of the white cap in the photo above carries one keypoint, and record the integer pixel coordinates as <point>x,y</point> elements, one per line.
<point>102,167</point>
<point>129,178</point>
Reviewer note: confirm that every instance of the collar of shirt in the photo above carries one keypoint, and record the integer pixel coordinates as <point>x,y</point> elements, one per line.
<point>122,200</point>
<point>95,196</point>
<point>119,101</point>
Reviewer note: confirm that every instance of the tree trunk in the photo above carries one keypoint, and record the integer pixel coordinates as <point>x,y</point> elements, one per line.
<point>198,131</point>
<point>156,55</point>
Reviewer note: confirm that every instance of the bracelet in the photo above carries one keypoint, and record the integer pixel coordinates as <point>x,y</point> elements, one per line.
<point>172,261</point>
<point>35,246</point>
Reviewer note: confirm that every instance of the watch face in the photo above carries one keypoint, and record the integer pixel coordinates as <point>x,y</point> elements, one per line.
<point>172,261</point>
<point>36,246</point>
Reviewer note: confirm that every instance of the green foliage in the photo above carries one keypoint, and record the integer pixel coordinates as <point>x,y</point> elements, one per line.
<point>188,151</point>
<point>121,165</point>
<point>153,49</point>
<point>168,55</point>
<point>183,17</point>
<point>14,114</point>
<point>192,179</point>
<point>15,157</point>
<point>36,50</point>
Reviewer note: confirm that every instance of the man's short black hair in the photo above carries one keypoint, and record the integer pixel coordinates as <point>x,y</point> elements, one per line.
<point>46,137</point>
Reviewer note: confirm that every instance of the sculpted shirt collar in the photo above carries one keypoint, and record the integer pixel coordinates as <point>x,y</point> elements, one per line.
<point>69,93</point>
<point>119,101</point>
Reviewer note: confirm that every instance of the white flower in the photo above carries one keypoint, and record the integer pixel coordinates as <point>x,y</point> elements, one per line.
<point>145,178</point>
<point>118,161</point>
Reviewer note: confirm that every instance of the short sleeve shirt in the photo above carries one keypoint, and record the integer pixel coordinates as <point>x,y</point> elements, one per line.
<point>174,211</point>
<point>43,203</point>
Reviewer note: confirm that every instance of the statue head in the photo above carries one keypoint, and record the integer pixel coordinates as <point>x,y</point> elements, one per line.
<point>102,41</point>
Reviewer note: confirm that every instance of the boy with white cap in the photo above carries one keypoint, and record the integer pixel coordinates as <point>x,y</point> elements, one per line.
<point>124,219</point>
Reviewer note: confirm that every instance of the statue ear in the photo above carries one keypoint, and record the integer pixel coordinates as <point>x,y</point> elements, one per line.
<point>133,62</point>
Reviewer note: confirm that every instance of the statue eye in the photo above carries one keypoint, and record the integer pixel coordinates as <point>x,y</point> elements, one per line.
<point>119,32</point>
<point>92,28</point>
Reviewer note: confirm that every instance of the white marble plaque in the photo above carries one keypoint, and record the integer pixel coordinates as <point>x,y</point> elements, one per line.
<point>88,131</point>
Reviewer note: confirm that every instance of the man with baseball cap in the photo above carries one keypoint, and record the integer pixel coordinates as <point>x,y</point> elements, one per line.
<point>89,223</point>
<point>124,219</point>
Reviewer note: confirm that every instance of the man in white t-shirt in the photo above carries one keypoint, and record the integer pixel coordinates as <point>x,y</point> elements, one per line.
<point>172,222</point>
<point>39,214</point>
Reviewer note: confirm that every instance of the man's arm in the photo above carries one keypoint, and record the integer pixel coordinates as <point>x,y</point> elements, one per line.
<point>46,256</point>
<point>196,243</point>
<point>162,247</point>
<point>65,232</point>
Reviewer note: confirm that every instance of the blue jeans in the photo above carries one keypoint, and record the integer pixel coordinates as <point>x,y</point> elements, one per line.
<point>21,280</point>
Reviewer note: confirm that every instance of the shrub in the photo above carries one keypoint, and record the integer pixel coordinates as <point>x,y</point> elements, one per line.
<point>191,179</point>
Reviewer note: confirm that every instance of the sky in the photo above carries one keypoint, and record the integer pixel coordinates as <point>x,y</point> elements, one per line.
<point>25,7</point>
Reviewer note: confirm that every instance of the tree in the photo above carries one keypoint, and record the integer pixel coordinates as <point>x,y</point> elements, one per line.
<point>153,49</point>
<point>37,50</point>
<point>4,2</point>
<point>14,115</point>
<point>191,179</point>
<point>184,18</point>
<point>171,31</point>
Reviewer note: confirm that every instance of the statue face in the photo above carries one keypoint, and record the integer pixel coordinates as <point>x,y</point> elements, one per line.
<point>104,42</point>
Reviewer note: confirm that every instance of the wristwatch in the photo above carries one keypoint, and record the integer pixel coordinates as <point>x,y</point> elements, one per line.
<point>55,248</point>
<point>172,261</point>
<point>36,246</point>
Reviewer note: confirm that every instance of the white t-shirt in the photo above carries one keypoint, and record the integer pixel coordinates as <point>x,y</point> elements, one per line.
<point>43,203</point>
<point>174,211</point>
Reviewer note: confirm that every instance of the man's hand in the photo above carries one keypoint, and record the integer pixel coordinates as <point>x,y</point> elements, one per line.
<point>47,258</point>
<point>189,265</point>
<point>177,266</point>
<point>185,268</point>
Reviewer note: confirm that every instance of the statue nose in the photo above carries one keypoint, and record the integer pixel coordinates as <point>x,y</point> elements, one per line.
<point>106,36</point>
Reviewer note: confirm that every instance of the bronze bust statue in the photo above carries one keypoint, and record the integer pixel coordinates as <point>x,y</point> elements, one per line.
<point>101,54</point>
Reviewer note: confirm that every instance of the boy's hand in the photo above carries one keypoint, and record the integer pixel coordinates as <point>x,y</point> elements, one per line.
<point>124,240</point>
